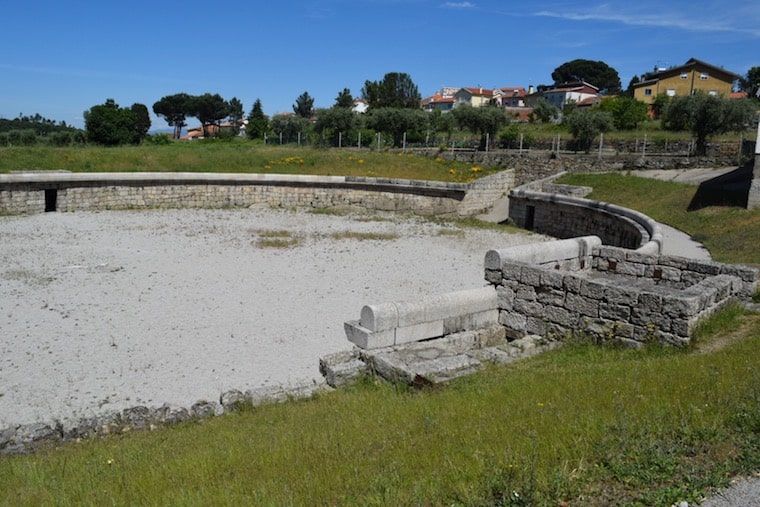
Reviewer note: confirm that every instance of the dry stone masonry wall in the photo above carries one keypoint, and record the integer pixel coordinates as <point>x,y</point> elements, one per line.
<point>562,212</point>
<point>27,193</point>
<point>610,293</point>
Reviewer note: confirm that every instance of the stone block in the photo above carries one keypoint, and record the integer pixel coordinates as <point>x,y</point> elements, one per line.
<point>621,295</point>
<point>471,321</point>
<point>493,276</point>
<point>342,368</point>
<point>505,298</point>
<point>553,279</point>
<point>704,267</point>
<point>513,320</point>
<point>614,311</point>
<point>630,269</point>
<point>379,317</point>
<point>532,308</point>
<point>639,258</point>
<point>593,289</point>
<point>560,316</point>
<point>512,271</point>
<point>650,302</point>
<point>525,293</point>
<point>550,296</point>
<point>535,326</point>
<point>572,283</point>
<point>691,277</point>
<point>531,276</point>
<point>419,332</point>
<point>686,305</point>
<point>582,305</point>
<point>745,273</point>
<point>366,339</point>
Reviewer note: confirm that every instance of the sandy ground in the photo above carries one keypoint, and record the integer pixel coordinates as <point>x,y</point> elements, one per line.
<point>103,311</point>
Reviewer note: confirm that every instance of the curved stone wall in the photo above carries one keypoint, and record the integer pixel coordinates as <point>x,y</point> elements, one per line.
<point>36,192</point>
<point>560,211</point>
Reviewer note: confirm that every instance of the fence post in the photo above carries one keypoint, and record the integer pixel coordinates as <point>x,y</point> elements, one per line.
<point>521,141</point>
<point>601,143</point>
<point>403,144</point>
<point>340,139</point>
<point>644,148</point>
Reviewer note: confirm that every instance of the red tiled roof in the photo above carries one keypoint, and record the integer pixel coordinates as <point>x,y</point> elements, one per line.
<point>485,92</point>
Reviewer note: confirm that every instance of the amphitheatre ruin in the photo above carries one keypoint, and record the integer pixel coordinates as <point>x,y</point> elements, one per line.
<point>130,300</point>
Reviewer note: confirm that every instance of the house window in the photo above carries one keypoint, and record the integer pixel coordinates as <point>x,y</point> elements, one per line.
<point>671,92</point>
<point>703,76</point>
<point>647,92</point>
<point>712,93</point>
<point>684,75</point>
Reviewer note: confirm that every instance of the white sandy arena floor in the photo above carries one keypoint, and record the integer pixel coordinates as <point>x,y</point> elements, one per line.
<point>103,311</point>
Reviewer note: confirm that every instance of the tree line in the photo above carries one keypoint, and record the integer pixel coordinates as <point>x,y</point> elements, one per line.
<point>394,115</point>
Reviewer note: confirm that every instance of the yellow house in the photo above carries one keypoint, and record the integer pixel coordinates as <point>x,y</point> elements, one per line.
<point>695,75</point>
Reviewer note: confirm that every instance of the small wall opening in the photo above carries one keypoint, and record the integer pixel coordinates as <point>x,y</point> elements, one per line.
<point>51,199</point>
<point>530,217</point>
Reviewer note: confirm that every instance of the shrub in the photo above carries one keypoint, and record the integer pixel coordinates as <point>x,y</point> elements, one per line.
<point>510,137</point>
<point>25,137</point>
<point>60,138</point>
<point>159,139</point>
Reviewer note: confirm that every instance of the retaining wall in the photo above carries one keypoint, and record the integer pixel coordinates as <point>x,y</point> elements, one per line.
<point>27,193</point>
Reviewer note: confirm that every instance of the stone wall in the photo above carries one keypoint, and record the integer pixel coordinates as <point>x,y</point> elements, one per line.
<point>38,192</point>
<point>534,165</point>
<point>561,212</point>
<point>579,285</point>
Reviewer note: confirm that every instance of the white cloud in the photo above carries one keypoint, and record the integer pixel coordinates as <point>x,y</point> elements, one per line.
<point>458,5</point>
<point>678,20</point>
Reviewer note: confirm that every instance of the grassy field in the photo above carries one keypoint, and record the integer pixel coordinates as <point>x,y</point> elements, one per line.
<point>238,157</point>
<point>582,425</point>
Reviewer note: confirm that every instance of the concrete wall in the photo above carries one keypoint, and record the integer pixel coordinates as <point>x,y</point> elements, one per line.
<point>54,191</point>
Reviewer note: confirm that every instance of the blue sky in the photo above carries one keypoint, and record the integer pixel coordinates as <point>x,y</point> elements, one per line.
<point>62,57</point>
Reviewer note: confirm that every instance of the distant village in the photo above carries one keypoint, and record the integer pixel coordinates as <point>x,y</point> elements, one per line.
<point>518,102</point>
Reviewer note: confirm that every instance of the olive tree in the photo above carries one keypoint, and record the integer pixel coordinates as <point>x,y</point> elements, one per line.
<point>396,122</point>
<point>334,122</point>
<point>485,121</point>
<point>586,124</point>
<point>707,115</point>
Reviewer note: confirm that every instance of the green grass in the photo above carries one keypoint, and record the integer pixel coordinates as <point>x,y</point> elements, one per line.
<point>731,234</point>
<point>585,425</point>
<point>238,157</point>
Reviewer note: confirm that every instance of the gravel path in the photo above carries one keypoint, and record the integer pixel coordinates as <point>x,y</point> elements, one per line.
<point>103,311</point>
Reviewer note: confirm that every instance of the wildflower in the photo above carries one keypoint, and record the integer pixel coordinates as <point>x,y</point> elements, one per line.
<point>110,461</point>
<point>361,160</point>
<point>452,171</point>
